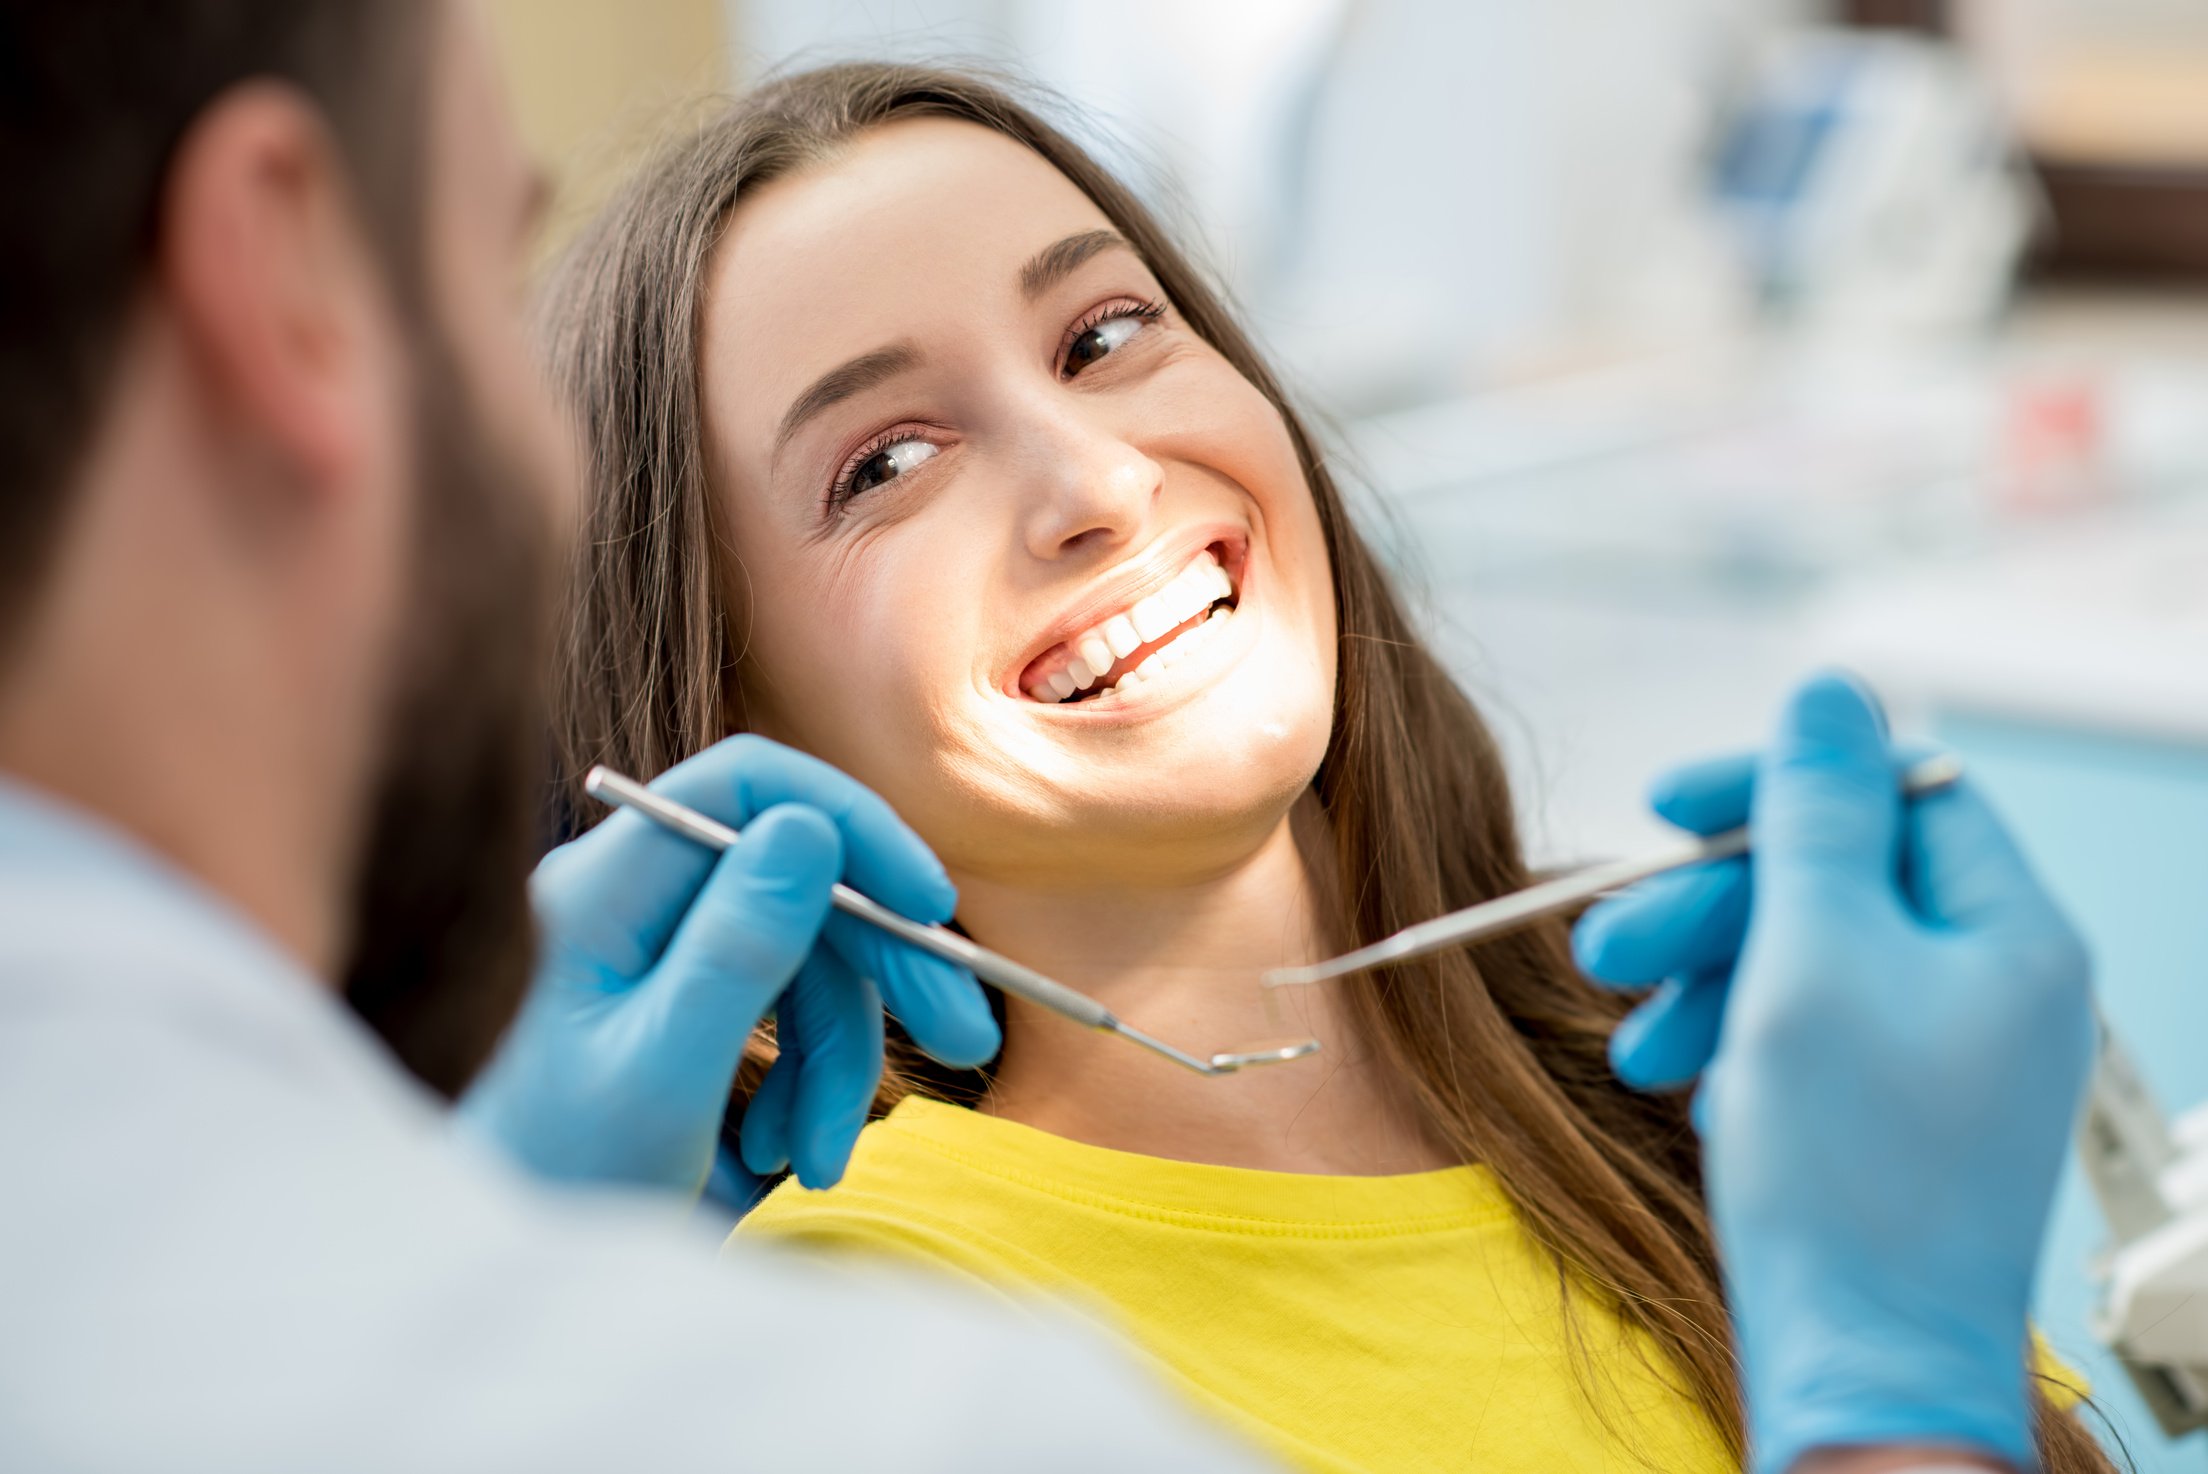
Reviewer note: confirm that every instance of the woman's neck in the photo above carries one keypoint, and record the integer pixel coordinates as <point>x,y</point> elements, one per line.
<point>1183,963</point>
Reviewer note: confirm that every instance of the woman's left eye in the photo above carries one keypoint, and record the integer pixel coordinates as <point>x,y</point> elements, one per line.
<point>1106,336</point>
<point>880,464</point>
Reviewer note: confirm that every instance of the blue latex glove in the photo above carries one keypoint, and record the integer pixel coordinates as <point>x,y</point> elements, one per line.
<point>659,958</point>
<point>1893,1026</point>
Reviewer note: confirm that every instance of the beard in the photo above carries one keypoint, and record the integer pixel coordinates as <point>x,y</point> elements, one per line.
<point>443,938</point>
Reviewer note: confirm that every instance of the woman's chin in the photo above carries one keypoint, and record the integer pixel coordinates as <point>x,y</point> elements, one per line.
<point>1180,839</point>
<point>1212,780</point>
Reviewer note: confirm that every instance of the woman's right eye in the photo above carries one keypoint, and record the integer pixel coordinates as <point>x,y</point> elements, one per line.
<point>881,464</point>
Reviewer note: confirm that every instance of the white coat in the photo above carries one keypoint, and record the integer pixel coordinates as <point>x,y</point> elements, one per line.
<point>234,1237</point>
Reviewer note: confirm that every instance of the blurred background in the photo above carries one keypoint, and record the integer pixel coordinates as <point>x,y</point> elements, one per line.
<point>1678,345</point>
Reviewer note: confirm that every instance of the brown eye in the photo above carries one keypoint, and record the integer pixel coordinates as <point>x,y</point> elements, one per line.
<point>884,465</point>
<point>1101,340</point>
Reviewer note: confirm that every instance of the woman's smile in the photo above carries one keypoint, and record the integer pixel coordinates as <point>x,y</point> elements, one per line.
<point>1168,611</point>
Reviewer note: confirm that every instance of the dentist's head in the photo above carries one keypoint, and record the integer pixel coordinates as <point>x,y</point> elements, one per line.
<point>280,475</point>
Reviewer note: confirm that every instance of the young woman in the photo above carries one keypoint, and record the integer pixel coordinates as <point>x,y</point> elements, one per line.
<point>916,443</point>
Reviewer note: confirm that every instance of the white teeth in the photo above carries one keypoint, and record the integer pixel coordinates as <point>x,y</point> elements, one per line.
<point>1077,675</point>
<point>1199,584</point>
<point>1151,619</point>
<point>1211,582</point>
<point>1194,590</point>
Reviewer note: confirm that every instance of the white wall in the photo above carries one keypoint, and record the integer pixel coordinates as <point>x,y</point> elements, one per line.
<point>1407,195</point>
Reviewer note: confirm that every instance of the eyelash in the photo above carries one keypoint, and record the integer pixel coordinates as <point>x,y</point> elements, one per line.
<point>841,491</point>
<point>1143,309</point>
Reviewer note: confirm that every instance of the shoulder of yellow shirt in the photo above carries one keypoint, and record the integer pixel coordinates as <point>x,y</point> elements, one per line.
<point>852,1219</point>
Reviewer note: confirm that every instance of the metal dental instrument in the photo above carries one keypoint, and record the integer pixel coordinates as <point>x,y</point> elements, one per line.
<point>612,788</point>
<point>1508,913</point>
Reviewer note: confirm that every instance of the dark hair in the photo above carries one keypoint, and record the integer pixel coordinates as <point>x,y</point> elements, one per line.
<point>95,96</point>
<point>1504,1047</point>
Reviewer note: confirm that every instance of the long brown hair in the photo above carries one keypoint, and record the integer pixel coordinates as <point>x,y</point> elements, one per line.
<point>1505,1046</point>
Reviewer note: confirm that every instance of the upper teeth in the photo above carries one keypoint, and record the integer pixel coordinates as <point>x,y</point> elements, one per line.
<point>1195,589</point>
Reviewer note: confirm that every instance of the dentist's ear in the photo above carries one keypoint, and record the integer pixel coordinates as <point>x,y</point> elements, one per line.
<point>270,274</point>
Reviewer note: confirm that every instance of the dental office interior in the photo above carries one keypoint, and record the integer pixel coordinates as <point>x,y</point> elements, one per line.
<point>1674,347</point>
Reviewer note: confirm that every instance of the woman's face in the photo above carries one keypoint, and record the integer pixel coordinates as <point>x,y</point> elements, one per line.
<point>1019,550</point>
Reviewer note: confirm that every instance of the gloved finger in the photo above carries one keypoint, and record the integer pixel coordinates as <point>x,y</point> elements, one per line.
<point>619,892</point>
<point>1707,797</point>
<point>615,895</point>
<point>1687,922</point>
<point>939,1004</point>
<point>1962,867</point>
<point>764,1137</point>
<point>1826,808</point>
<point>1714,795</point>
<point>833,1016</point>
<point>1701,1109</point>
<point>1671,1038</point>
<point>743,940</point>
<point>746,774</point>
<point>732,1185</point>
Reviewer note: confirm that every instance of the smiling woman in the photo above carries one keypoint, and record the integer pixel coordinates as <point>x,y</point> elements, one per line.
<point>916,443</point>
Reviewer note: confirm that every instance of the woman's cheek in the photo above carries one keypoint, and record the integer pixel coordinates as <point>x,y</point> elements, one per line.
<point>891,664</point>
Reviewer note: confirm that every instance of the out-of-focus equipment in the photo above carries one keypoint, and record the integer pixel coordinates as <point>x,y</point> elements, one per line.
<point>1875,187</point>
<point>2151,1177</point>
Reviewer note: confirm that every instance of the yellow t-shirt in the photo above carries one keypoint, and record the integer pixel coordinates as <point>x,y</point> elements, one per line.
<point>1400,1324</point>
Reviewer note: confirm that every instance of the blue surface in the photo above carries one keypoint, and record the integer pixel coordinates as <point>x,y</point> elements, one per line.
<point>2118,826</point>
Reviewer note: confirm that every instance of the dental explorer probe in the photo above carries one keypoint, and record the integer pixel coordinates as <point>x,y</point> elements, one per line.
<point>611,788</point>
<point>1521,908</point>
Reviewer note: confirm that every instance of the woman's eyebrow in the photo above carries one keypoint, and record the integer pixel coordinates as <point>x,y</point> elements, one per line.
<point>1054,263</point>
<point>1049,266</point>
<point>854,376</point>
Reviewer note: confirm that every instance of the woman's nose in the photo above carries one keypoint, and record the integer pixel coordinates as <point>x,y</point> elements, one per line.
<point>1090,489</point>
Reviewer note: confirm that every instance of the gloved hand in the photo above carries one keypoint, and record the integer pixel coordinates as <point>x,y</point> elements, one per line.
<point>1681,933</point>
<point>1894,1056</point>
<point>659,957</point>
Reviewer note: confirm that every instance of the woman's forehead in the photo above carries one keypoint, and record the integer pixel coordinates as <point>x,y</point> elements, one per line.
<point>920,223</point>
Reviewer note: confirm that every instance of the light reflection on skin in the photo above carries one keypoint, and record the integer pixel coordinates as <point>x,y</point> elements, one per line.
<point>1153,848</point>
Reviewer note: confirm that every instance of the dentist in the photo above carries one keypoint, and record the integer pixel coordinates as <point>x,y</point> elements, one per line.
<point>283,496</point>
<point>282,500</point>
